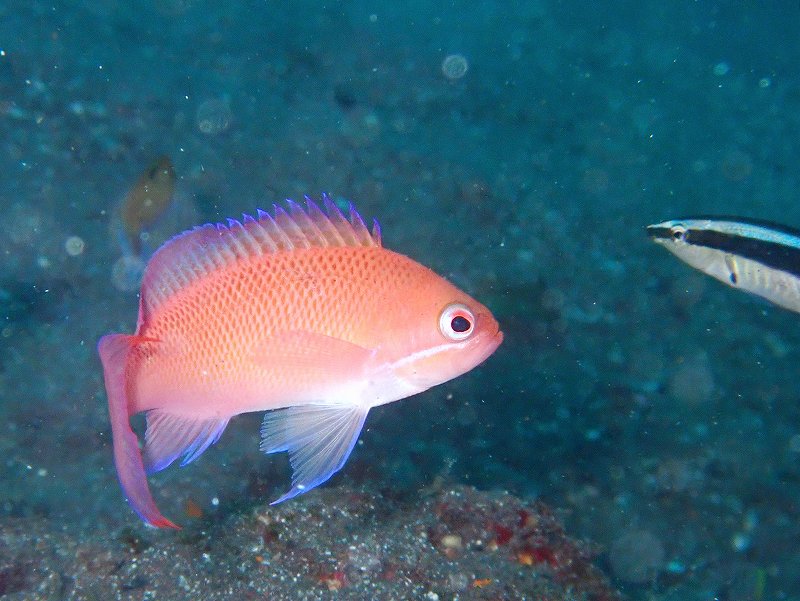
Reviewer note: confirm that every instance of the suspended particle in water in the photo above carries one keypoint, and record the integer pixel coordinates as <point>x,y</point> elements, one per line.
<point>173,8</point>
<point>214,116</point>
<point>693,380</point>
<point>126,274</point>
<point>22,224</point>
<point>637,556</point>
<point>721,68</point>
<point>455,66</point>
<point>74,246</point>
<point>737,165</point>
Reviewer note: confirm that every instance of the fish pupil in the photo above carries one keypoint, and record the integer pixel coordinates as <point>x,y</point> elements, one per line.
<point>460,324</point>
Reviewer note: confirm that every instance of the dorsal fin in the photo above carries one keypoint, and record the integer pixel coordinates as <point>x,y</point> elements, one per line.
<point>195,253</point>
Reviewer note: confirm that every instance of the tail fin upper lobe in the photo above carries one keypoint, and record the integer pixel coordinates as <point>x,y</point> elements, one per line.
<point>114,350</point>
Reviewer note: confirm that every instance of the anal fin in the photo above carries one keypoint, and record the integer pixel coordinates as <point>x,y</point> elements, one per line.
<point>318,437</point>
<point>168,436</point>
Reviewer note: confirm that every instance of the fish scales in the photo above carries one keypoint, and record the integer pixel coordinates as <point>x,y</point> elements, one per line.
<point>334,291</point>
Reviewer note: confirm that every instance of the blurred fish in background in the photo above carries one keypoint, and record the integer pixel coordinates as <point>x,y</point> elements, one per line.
<point>145,217</point>
<point>146,202</point>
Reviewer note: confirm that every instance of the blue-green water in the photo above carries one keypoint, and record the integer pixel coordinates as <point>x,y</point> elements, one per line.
<point>646,402</point>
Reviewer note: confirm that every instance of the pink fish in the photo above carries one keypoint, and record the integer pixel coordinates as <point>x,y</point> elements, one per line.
<point>301,313</point>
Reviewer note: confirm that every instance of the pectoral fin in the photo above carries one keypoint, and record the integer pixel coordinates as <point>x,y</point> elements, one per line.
<point>317,356</point>
<point>733,269</point>
<point>319,439</point>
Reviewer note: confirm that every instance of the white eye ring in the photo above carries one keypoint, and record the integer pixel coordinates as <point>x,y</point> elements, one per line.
<point>456,322</point>
<point>678,233</point>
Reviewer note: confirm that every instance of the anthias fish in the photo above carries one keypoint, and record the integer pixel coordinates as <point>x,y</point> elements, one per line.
<point>302,313</point>
<point>756,256</point>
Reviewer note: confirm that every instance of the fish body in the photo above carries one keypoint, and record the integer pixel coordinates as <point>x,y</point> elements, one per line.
<point>302,313</point>
<point>755,256</point>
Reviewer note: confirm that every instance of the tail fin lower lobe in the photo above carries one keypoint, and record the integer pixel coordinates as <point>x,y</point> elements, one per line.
<point>114,352</point>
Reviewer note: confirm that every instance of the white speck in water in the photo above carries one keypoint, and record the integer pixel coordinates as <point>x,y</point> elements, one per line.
<point>721,68</point>
<point>455,66</point>
<point>184,583</point>
<point>740,542</point>
<point>74,246</point>
<point>214,116</point>
<point>126,274</point>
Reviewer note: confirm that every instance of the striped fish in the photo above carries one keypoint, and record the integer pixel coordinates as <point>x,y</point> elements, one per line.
<point>755,256</point>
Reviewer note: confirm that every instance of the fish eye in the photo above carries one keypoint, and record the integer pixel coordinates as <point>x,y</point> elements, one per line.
<point>678,233</point>
<point>456,322</point>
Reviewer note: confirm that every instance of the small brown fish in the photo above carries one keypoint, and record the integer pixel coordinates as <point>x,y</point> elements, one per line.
<point>147,200</point>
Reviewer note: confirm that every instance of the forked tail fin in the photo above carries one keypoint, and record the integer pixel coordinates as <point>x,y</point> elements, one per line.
<point>114,351</point>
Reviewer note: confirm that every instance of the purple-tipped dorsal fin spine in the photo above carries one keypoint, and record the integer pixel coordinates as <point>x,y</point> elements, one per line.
<point>329,231</point>
<point>313,234</point>
<point>293,231</point>
<point>377,236</point>
<point>339,221</point>
<point>273,228</point>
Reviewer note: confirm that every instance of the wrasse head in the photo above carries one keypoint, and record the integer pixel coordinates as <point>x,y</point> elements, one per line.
<point>700,242</point>
<point>675,231</point>
<point>731,234</point>
<point>748,238</point>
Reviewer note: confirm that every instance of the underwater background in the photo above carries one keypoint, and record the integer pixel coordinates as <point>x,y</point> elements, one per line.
<point>519,149</point>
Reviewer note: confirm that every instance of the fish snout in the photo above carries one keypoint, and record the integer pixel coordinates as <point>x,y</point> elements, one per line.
<point>486,343</point>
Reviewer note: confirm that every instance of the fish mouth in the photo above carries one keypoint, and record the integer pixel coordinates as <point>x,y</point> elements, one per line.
<point>438,364</point>
<point>488,343</point>
<point>497,339</point>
